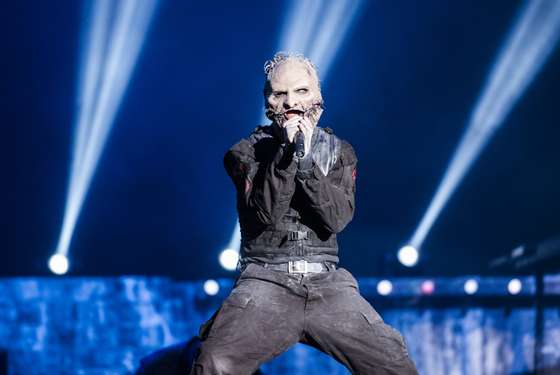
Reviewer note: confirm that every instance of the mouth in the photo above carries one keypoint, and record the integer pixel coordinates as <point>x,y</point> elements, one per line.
<point>293,112</point>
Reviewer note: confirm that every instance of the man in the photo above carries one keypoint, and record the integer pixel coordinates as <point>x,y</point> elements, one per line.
<point>290,209</point>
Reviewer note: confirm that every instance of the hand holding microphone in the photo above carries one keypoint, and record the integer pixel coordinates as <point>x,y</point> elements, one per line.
<point>298,130</point>
<point>291,127</point>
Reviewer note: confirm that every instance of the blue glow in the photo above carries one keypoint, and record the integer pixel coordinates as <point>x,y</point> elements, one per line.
<point>316,29</point>
<point>115,38</point>
<point>530,43</point>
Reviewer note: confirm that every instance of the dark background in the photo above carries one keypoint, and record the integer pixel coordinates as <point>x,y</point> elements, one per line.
<point>400,90</point>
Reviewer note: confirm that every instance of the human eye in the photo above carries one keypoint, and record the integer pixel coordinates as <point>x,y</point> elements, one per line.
<point>278,94</point>
<point>302,90</point>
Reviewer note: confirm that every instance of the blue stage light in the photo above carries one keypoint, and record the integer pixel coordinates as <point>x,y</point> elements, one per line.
<point>116,34</point>
<point>524,53</point>
<point>428,287</point>
<point>317,29</point>
<point>408,256</point>
<point>514,286</point>
<point>384,287</point>
<point>330,33</point>
<point>211,287</point>
<point>471,286</point>
<point>58,264</point>
<point>228,259</point>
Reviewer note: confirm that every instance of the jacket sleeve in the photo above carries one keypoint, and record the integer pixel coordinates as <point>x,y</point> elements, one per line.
<point>332,197</point>
<point>264,192</point>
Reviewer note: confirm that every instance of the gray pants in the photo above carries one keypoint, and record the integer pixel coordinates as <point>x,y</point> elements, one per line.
<point>268,311</point>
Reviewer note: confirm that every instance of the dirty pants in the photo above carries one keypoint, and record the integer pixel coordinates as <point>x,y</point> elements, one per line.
<point>268,311</point>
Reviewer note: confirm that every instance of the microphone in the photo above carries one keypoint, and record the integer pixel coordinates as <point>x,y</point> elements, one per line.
<point>300,144</point>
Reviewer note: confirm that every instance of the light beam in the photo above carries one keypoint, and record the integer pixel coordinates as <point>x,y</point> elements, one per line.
<point>523,55</point>
<point>115,38</point>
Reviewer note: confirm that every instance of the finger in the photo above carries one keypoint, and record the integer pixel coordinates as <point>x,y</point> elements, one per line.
<point>305,129</point>
<point>307,123</point>
<point>293,120</point>
<point>292,127</point>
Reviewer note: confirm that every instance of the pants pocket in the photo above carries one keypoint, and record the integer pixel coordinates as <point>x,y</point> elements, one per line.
<point>388,339</point>
<point>231,307</point>
<point>238,299</point>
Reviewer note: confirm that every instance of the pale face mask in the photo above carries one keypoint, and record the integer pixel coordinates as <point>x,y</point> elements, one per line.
<point>293,91</point>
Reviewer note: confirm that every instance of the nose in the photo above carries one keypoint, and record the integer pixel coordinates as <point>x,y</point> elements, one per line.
<point>290,101</point>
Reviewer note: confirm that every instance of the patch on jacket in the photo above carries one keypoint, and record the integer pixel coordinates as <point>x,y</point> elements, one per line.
<point>325,150</point>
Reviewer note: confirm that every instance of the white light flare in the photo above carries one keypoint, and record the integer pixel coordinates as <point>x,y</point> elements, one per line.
<point>514,286</point>
<point>471,286</point>
<point>384,287</point>
<point>530,43</point>
<point>115,40</point>
<point>58,264</point>
<point>228,259</point>
<point>408,256</point>
<point>428,287</point>
<point>211,287</point>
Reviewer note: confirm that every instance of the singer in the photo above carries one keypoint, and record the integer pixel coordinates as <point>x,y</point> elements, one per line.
<point>295,184</point>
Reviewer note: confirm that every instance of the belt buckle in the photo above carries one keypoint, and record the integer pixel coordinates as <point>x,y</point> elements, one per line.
<point>298,235</point>
<point>298,266</point>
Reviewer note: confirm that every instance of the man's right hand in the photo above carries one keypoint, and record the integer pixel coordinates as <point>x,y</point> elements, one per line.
<point>291,127</point>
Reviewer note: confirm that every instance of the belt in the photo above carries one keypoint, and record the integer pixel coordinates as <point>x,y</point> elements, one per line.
<point>300,266</point>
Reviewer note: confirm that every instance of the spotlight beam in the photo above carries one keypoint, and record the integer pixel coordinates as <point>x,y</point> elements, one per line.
<point>298,29</point>
<point>331,33</point>
<point>530,43</point>
<point>89,83</point>
<point>128,35</point>
<point>105,77</point>
<point>91,65</point>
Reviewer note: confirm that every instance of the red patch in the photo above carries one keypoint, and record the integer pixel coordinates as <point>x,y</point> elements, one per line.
<point>354,173</point>
<point>248,185</point>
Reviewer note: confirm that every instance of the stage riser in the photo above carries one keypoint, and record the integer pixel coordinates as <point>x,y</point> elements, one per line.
<point>105,325</point>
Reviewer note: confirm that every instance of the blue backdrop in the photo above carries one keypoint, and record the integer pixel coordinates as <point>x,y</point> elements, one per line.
<point>400,90</point>
<point>105,325</point>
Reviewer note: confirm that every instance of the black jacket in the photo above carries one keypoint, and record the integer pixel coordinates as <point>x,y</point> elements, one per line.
<point>291,209</point>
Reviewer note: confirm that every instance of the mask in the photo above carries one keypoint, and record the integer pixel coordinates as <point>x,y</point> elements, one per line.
<point>293,90</point>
